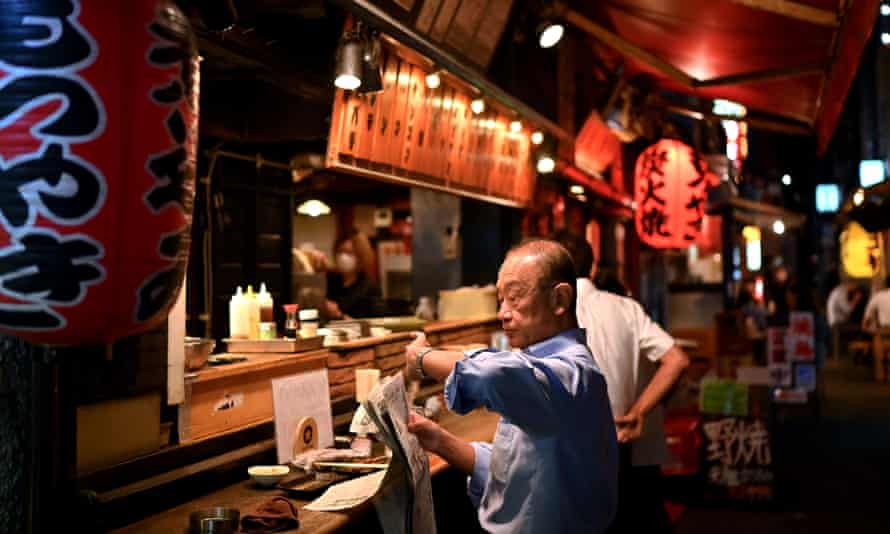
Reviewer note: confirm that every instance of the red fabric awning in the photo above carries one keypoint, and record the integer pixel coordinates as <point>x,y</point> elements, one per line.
<point>803,53</point>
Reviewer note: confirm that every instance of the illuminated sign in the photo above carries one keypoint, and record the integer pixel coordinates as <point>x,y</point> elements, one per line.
<point>871,172</point>
<point>828,198</point>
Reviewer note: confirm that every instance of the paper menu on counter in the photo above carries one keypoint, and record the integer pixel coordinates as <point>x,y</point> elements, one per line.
<point>298,396</point>
<point>405,501</point>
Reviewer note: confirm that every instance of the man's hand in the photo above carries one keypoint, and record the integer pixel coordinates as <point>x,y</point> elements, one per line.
<point>411,351</point>
<point>428,433</point>
<point>630,426</point>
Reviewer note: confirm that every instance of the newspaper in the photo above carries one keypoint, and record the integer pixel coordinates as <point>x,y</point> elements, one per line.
<point>348,494</point>
<point>405,501</point>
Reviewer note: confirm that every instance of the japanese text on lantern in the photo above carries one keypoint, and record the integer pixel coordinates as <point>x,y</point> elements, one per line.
<point>670,193</point>
<point>40,269</point>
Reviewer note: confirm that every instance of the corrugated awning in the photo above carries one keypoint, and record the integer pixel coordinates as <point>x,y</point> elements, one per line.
<point>793,59</point>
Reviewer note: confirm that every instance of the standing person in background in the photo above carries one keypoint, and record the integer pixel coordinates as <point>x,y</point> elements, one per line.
<point>352,292</point>
<point>641,363</point>
<point>553,463</point>
<point>781,298</point>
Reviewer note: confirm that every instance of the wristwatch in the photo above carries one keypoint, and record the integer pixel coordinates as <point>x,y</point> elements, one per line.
<point>418,360</point>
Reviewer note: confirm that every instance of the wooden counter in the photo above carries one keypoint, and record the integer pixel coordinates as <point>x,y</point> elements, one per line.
<point>477,426</point>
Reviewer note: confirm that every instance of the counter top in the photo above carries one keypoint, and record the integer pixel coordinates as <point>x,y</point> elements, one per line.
<point>477,426</point>
<point>314,359</point>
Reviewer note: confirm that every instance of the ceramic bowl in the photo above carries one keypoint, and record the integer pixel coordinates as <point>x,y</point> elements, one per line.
<point>268,475</point>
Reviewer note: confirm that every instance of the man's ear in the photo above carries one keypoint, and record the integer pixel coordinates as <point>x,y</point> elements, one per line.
<point>561,298</point>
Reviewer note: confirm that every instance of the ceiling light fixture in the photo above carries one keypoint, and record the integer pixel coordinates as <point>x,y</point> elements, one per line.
<point>537,138</point>
<point>546,165</point>
<point>576,189</point>
<point>786,179</point>
<point>885,38</point>
<point>350,62</point>
<point>477,105</point>
<point>313,208</point>
<point>550,32</point>
<point>885,10</point>
<point>433,80</point>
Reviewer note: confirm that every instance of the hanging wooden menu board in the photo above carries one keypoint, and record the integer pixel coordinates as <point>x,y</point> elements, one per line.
<point>431,136</point>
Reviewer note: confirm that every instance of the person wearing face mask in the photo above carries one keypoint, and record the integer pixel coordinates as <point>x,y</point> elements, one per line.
<point>351,292</point>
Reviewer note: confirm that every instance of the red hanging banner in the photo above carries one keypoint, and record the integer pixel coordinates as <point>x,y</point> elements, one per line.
<point>670,192</point>
<point>98,133</point>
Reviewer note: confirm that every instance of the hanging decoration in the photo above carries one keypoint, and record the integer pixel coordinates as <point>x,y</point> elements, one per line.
<point>860,251</point>
<point>98,132</point>
<point>670,192</point>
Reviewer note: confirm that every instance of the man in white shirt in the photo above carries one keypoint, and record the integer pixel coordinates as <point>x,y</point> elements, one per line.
<point>840,304</point>
<point>877,311</point>
<point>641,363</point>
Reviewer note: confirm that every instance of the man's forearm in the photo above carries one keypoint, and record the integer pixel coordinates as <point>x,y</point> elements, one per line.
<point>457,452</point>
<point>673,363</point>
<point>438,364</point>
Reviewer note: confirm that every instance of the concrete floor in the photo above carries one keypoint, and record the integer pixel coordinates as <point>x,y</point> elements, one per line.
<point>833,470</point>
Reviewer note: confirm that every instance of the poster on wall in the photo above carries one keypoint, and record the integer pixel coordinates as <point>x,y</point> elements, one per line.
<point>800,340</point>
<point>738,459</point>
<point>777,357</point>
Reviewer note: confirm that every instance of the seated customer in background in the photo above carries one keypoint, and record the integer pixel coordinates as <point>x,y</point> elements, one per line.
<point>352,293</point>
<point>553,464</point>
<point>877,312</point>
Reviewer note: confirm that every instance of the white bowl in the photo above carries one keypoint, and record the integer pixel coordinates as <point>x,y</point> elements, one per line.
<point>268,475</point>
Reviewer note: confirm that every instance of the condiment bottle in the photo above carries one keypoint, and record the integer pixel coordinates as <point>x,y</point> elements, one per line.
<point>239,320</point>
<point>291,323</point>
<point>264,299</point>
<point>253,313</point>
<point>308,322</point>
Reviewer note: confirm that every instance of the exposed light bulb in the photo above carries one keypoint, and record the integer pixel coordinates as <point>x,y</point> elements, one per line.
<point>433,81</point>
<point>858,197</point>
<point>537,138</point>
<point>779,227</point>
<point>576,189</point>
<point>885,10</point>
<point>546,165</point>
<point>551,35</point>
<point>477,105</point>
<point>786,179</point>
<point>515,126</point>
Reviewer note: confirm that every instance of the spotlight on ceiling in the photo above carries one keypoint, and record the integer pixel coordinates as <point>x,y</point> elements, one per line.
<point>372,75</point>
<point>550,32</point>
<point>477,105</point>
<point>885,10</point>
<point>537,138</point>
<point>350,62</point>
<point>786,179</point>
<point>858,197</point>
<point>515,126</point>
<point>546,165</point>
<point>433,80</point>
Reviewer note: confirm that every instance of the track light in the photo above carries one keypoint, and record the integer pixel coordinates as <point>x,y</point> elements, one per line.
<point>372,78</point>
<point>478,106</point>
<point>885,10</point>
<point>550,32</point>
<point>537,138</point>
<point>350,62</point>
<point>546,165</point>
<point>433,80</point>
<point>515,126</point>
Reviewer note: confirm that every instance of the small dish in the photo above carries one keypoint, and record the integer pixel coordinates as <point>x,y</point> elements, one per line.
<point>268,475</point>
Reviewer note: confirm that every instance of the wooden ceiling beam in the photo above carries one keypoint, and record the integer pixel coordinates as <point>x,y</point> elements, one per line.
<point>762,75</point>
<point>795,10</point>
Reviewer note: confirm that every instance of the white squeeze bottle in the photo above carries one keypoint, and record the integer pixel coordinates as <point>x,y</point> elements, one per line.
<point>253,313</point>
<point>239,321</point>
<point>267,305</point>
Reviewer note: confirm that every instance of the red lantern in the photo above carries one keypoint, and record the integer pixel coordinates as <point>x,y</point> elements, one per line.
<point>670,190</point>
<point>98,131</point>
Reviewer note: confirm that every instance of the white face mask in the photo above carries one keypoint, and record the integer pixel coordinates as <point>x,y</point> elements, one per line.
<point>346,262</point>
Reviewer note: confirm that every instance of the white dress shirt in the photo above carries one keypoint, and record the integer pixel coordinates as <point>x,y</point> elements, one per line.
<point>838,307</point>
<point>878,309</point>
<point>626,345</point>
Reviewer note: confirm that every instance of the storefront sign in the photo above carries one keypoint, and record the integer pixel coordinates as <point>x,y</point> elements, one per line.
<point>670,192</point>
<point>430,135</point>
<point>98,131</point>
<point>777,357</point>
<point>800,339</point>
<point>738,459</point>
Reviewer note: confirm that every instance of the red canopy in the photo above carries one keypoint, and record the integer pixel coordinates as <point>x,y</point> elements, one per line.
<point>787,58</point>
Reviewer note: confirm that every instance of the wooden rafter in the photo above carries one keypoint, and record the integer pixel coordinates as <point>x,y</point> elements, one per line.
<point>795,10</point>
<point>762,75</point>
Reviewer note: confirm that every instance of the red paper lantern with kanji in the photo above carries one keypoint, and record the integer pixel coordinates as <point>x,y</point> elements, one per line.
<point>670,190</point>
<point>98,131</point>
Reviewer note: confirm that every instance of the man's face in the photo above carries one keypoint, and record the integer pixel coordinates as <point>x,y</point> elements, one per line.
<point>526,311</point>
